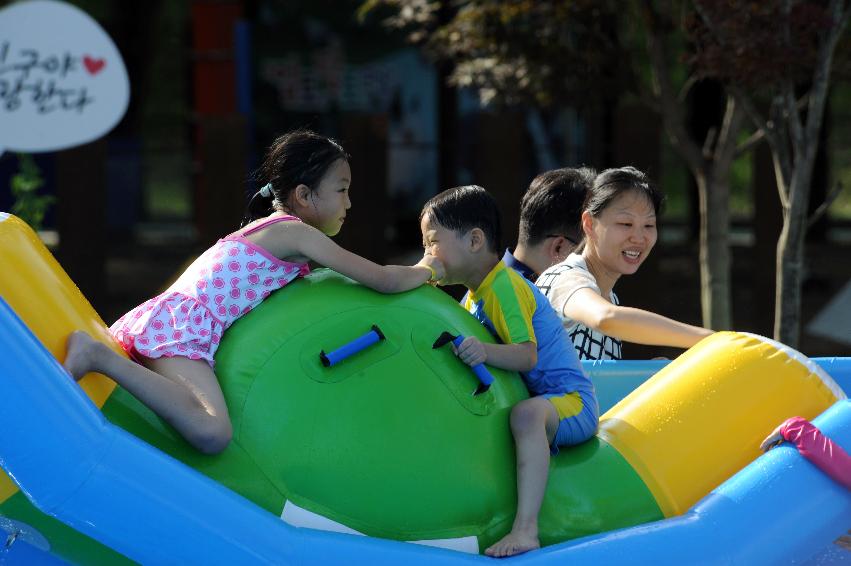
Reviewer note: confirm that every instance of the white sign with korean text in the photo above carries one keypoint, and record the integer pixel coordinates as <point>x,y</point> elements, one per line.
<point>62,80</point>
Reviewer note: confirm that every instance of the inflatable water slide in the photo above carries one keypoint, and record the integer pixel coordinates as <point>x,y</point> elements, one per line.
<point>357,442</point>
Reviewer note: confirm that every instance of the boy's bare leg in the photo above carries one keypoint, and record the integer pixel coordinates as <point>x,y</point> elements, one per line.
<point>184,392</point>
<point>533,422</point>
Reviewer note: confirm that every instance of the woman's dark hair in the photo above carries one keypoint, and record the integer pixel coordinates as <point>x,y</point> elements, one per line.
<point>461,209</point>
<point>300,157</point>
<point>612,183</point>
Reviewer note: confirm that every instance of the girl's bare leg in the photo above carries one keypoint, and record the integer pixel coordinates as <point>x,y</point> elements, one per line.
<point>184,392</point>
<point>533,423</point>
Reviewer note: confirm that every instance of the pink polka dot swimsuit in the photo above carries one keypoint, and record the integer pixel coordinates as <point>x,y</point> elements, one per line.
<point>224,283</point>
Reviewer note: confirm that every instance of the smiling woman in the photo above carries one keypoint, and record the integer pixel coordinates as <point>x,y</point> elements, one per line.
<point>619,224</point>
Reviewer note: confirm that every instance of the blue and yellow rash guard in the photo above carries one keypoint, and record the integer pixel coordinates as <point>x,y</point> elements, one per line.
<point>515,311</point>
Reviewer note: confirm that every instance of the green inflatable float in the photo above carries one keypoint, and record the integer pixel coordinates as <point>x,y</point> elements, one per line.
<point>389,442</point>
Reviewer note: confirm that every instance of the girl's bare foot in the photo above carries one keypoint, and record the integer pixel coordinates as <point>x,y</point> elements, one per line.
<point>82,349</point>
<point>515,542</point>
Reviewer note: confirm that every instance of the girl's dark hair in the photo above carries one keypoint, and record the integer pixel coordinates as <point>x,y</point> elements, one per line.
<point>612,183</point>
<point>461,209</point>
<point>300,157</point>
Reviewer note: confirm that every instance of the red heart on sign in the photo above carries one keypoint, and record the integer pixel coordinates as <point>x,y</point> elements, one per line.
<point>93,66</point>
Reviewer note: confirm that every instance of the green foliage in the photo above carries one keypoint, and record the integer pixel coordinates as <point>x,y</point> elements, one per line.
<point>542,52</point>
<point>29,206</point>
<point>758,45</point>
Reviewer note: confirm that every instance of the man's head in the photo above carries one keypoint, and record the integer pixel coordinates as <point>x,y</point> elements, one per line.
<point>461,227</point>
<point>552,206</point>
<point>551,216</point>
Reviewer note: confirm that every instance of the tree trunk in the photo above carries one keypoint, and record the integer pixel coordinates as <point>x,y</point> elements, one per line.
<point>790,276</point>
<point>768,223</point>
<point>710,164</point>
<point>798,167</point>
<point>790,245</point>
<point>715,298</point>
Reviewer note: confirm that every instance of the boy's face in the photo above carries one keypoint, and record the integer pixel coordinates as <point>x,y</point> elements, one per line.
<point>449,247</point>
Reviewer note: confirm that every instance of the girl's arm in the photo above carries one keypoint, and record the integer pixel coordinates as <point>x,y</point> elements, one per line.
<point>630,324</point>
<point>312,243</point>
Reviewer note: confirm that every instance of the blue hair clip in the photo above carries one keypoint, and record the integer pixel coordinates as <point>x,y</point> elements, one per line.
<point>266,190</point>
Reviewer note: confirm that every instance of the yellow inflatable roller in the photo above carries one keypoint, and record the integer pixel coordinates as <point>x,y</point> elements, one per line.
<point>683,430</point>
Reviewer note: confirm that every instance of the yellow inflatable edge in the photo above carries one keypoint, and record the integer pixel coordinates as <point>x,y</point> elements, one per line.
<point>48,302</point>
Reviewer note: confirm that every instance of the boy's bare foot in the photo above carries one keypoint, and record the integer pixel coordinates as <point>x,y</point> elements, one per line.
<point>515,542</point>
<point>81,350</point>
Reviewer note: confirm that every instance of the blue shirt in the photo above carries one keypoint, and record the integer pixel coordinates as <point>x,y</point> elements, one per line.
<point>515,311</point>
<point>514,263</point>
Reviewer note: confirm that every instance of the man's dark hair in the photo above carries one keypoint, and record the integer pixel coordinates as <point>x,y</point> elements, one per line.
<point>552,205</point>
<point>461,209</point>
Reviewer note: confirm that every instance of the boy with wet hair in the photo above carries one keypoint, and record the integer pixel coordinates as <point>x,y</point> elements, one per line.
<point>461,228</point>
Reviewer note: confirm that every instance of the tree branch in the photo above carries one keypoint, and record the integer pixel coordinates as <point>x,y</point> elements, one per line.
<point>783,164</point>
<point>760,134</point>
<point>822,208</point>
<point>751,111</point>
<point>749,143</point>
<point>672,111</point>
<point>690,82</point>
<point>787,31</point>
<point>793,119</point>
<point>709,142</point>
<point>738,97</point>
<point>821,73</point>
<point>725,148</point>
<point>704,15</point>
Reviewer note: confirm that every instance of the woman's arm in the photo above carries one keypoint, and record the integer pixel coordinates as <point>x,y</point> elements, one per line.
<point>312,243</point>
<point>630,324</point>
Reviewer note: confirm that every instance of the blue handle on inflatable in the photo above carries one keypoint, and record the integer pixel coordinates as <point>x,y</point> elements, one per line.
<point>353,347</point>
<point>485,377</point>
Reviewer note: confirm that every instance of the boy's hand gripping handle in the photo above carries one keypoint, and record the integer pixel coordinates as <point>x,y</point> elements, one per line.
<point>484,376</point>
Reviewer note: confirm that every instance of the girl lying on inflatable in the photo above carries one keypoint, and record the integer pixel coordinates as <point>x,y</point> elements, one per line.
<point>825,454</point>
